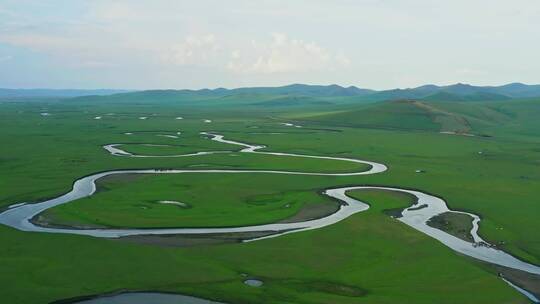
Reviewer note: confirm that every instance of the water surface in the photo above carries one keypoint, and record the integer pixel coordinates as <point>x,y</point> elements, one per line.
<point>147,298</point>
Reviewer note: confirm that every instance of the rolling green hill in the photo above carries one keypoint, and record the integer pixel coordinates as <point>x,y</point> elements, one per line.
<point>504,118</point>
<point>406,115</point>
<point>300,94</point>
<point>478,96</point>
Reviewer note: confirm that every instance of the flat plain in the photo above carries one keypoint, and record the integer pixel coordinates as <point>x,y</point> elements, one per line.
<point>482,157</point>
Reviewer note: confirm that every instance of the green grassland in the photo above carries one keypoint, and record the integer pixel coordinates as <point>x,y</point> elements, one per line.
<point>372,257</point>
<point>376,255</point>
<point>217,200</point>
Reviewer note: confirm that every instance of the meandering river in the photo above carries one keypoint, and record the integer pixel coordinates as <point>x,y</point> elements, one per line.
<point>20,215</point>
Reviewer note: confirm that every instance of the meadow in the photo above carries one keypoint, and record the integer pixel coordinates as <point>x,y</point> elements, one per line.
<point>368,258</point>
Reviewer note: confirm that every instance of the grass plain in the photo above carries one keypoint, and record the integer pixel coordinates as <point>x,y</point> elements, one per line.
<point>368,258</point>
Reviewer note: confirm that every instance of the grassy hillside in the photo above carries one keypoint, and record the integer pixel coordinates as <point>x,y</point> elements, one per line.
<point>401,115</point>
<point>477,96</point>
<point>495,118</point>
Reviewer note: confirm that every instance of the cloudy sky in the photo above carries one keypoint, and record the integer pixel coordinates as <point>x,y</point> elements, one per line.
<point>141,44</point>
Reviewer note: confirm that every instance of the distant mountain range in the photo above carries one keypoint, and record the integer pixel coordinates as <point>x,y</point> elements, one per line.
<point>462,92</point>
<point>304,90</point>
<point>456,92</point>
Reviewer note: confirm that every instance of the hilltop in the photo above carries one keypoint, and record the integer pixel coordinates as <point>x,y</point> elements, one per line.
<point>430,92</point>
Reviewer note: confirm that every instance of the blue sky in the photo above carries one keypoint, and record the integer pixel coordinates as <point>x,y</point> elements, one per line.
<point>379,44</point>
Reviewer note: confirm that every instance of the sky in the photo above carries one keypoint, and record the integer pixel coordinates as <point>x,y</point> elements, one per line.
<point>158,44</point>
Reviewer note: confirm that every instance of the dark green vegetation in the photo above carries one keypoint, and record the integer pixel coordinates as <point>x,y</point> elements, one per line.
<point>456,224</point>
<point>368,258</point>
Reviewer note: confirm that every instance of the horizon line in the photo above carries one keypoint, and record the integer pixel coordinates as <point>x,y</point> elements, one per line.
<point>263,86</point>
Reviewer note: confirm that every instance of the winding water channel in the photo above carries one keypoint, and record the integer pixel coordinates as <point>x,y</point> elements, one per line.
<point>20,215</point>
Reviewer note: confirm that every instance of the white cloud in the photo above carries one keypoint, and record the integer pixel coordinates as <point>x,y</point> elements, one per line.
<point>283,54</point>
<point>279,54</point>
<point>201,50</point>
<point>369,43</point>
